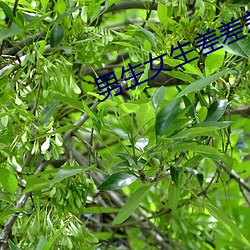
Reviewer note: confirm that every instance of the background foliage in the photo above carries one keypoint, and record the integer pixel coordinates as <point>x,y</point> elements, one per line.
<point>161,166</point>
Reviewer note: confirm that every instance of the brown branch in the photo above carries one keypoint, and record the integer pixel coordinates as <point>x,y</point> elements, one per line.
<point>235,176</point>
<point>21,44</point>
<point>148,14</point>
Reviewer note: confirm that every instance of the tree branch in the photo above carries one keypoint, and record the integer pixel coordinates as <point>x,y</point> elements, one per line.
<point>236,177</point>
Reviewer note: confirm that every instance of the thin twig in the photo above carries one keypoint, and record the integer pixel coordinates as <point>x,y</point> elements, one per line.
<point>148,14</point>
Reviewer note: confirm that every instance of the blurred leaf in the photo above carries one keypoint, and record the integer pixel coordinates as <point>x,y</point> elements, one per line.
<point>162,12</point>
<point>128,108</point>
<point>41,243</point>
<point>34,183</point>
<point>13,31</point>
<point>228,224</point>
<point>49,110</point>
<point>240,2</point>
<point>166,117</point>
<point>198,175</point>
<point>174,172</point>
<point>13,246</point>
<point>202,114</point>
<point>180,75</point>
<point>5,214</point>
<point>132,203</point>
<point>70,101</point>
<point>158,97</point>
<point>117,181</point>
<point>216,110</point>
<point>173,196</point>
<point>214,61</point>
<point>244,44</point>
<point>66,172</point>
<point>8,180</point>
<point>219,125</point>
<point>98,210</point>
<point>143,34</point>
<point>49,244</point>
<point>56,35</point>
<point>198,85</point>
<point>193,132</point>
<point>7,10</point>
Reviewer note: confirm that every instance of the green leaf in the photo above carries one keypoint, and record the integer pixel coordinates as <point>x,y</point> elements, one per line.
<point>117,181</point>
<point>13,246</point>
<point>68,12</point>
<point>41,243</point>
<point>49,244</point>
<point>193,132</point>
<point>198,175</point>
<point>44,3</point>
<point>49,110</point>
<point>35,184</point>
<point>56,35</point>
<point>70,101</point>
<point>9,211</point>
<point>173,196</point>
<point>227,223</point>
<point>240,2</point>
<point>143,34</point>
<point>166,117</point>
<point>66,172</point>
<point>244,44</point>
<point>98,210</point>
<point>219,125</point>
<point>202,114</point>
<point>6,33</point>
<point>216,110</point>
<point>7,10</point>
<point>128,108</point>
<point>8,180</point>
<point>197,85</point>
<point>132,203</point>
<point>180,75</point>
<point>158,97</point>
<point>174,172</point>
<point>162,12</point>
<point>214,61</point>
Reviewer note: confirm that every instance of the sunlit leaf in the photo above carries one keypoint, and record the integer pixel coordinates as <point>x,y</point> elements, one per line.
<point>216,110</point>
<point>8,180</point>
<point>117,181</point>
<point>158,97</point>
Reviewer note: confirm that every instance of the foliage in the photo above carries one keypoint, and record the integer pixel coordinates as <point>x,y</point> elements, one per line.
<point>160,166</point>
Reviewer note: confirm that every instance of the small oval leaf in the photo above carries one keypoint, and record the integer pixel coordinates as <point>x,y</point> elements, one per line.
<point>56,35</point>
